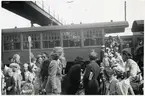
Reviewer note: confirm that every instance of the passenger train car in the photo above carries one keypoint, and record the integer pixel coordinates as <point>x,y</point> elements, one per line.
<point>77,39</point>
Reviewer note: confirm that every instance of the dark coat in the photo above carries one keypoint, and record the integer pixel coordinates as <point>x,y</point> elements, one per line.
<point>73,78</point>
<point>10,82</point>
<point>91,86</point>
<point>44,69</point>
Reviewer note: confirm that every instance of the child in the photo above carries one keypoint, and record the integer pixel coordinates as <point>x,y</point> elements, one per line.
<point>27,86</point>
<point>110,82</point>
<point>10,83</point>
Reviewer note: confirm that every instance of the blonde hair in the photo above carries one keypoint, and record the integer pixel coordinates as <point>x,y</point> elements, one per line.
<point>16,58</point>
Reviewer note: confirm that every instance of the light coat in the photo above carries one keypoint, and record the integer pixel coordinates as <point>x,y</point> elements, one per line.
<point>54,78</point>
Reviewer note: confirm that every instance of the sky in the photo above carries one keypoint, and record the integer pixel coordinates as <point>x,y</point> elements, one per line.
<point>85,11</point>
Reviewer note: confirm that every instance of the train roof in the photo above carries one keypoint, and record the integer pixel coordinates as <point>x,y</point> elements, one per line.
<point>108,26</point>
<point>138,26</point>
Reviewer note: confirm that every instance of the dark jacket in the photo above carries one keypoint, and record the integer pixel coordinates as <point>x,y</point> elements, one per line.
<point>44,69</point>
<point>73,78</point>
<point>10,83</point>
<point>91,86</point>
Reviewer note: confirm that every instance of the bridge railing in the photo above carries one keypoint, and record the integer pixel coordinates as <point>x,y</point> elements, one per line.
<point>49,10</point>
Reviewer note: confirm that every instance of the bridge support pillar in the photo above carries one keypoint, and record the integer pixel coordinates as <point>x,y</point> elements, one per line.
<point>32,24</point>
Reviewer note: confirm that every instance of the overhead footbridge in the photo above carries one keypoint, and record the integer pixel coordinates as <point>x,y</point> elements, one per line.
<point>31,11</point>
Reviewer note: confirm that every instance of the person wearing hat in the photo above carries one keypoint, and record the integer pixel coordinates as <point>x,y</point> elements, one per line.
<point>17,77</point>
<point>53,85</point>
<point>132,70</point>
<point>91,76</point>
<point>61,59</point>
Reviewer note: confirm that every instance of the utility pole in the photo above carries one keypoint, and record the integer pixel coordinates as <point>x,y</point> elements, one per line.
<point>125,10</point>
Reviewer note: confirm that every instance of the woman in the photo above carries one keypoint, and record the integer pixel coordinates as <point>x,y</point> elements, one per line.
<point>38,81</point>
<point>17,77</point>
<point>132,71</point>
<point>39,61</point>
<point>16,59</point>
<point>62,59</point>
<point>119,67</point>
<point>53,85</point>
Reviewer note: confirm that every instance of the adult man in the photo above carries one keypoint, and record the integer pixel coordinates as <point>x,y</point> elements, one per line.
<point>91,75</point>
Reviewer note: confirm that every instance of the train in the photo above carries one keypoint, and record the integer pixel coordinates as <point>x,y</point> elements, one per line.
<point>76,39</point>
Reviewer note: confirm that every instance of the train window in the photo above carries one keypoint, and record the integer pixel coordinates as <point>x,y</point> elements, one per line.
<point>127,41</point>
<point>12,42</point>
<point>93,37</point>
<point>51,39</point>
<point>71,39</point>
<point>35,40</point>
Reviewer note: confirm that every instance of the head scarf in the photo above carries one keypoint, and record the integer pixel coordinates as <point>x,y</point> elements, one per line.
<point>14,65</point>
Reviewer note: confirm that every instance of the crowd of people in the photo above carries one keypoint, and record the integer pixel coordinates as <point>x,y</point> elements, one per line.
<point>117,74</point>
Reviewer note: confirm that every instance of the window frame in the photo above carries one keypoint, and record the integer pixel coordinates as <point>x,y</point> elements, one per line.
<point>10,34</point>
<point>92,30</point>
<point>78,31</point>
<point>28,33</point>
<point>51,31</point>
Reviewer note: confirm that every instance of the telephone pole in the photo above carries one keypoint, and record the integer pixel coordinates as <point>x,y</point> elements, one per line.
<point>125,10</point>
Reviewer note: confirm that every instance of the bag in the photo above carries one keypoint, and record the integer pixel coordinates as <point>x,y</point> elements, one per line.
<point>80,92</point>
<point>138,77</point>
<point>91,76</point>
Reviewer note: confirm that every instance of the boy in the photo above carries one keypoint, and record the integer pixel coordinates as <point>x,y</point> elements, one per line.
<point>110,82</point>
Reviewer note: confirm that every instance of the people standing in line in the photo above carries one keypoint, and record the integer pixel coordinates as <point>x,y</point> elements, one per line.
<point>53,85</point>
<point>10,83</point>
<point>91,75</point>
